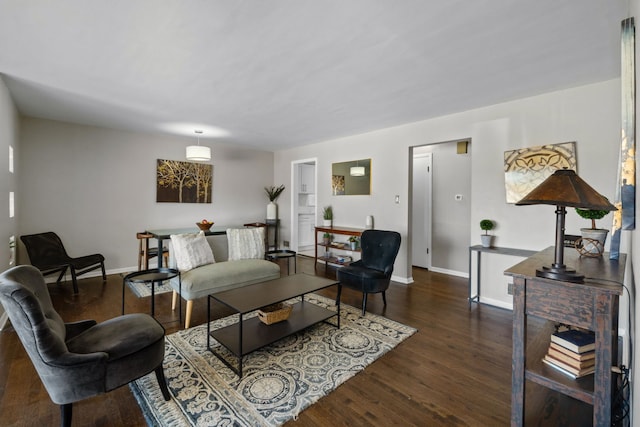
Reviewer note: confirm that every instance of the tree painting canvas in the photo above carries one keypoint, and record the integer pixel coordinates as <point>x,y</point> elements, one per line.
<point>183,182</point>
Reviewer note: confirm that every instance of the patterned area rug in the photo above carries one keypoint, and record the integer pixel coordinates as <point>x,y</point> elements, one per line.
<point>279,381</point>
<point>144,289</point>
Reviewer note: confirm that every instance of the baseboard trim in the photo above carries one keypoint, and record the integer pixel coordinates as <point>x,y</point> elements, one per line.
<point>449,272</point>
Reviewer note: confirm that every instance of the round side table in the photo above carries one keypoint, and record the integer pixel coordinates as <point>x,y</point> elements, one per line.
<point>277,254</point>
<point>153,276</point>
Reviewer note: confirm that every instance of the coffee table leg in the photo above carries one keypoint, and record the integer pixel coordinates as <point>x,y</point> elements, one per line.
<point>208,322</point>
<point>241,353</point>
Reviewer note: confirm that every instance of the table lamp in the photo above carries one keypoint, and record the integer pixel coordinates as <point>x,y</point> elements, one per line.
<point>564,188</point>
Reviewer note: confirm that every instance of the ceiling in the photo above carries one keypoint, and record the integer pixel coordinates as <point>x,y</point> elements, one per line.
<point>283,73</point>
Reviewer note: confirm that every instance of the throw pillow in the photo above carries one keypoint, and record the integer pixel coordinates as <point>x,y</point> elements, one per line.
<point>191,251</point>
<point>245,243</point>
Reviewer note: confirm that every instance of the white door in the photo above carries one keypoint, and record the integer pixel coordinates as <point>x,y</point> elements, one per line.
<point>421,210</point>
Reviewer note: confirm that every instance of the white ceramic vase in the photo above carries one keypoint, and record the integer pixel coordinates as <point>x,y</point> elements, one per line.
<point>272,210</point>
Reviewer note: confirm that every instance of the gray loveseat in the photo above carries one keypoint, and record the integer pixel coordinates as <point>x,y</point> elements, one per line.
<point>219,276</point>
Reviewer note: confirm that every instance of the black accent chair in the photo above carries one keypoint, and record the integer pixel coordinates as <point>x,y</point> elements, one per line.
<point>372,273</point>
<point>47,253</point>
<point>83,359</point>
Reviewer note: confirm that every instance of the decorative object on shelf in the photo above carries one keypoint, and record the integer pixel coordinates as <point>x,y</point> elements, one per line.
<point>183,182</point>
<point>526,168</point>
<point>326,238</point>
<point>327,216</point>
<point>204,225</point>
<point>593,239</point>
<point>369,222</point>
<point>564,188</point>
<point>273,193</point>
<point>486,225</point>
<point>353,242</point>
<point>198,153</point>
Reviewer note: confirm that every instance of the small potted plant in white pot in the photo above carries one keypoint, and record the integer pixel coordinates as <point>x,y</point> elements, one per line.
<point>353,242</point>
<point>486,225</point>
<point>327,216</point>
<point>593,238</point>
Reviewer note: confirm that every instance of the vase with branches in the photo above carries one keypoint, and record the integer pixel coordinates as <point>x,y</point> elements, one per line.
<point>273,193</point>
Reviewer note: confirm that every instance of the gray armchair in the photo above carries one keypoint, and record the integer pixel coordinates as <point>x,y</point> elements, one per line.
<point>82,359</point>
<point>372,273</point>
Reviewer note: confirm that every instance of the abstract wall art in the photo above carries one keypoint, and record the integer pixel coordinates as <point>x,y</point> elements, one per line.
<point>525,168</point>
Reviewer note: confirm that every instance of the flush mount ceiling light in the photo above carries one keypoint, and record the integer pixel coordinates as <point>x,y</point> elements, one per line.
<point>198,153</point>
<point>356,170</point>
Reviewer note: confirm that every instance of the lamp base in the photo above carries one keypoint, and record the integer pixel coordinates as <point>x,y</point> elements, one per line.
<point>560,273</point>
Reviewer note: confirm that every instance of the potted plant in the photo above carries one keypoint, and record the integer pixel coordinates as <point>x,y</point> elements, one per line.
<point>273,193</point>
<point>326,238</point>
<point>486,225</point>
<point>592,238</point>
<point>353,242</point>
<point>327,216</point>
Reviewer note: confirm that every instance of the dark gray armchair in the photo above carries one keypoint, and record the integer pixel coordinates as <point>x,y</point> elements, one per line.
<point>372,273</point>
<point>82,359</point>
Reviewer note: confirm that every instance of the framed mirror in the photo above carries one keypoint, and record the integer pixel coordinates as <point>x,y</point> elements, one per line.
<point>351,178</point>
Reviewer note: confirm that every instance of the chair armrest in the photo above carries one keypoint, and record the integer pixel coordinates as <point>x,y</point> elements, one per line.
<point>74,329</point>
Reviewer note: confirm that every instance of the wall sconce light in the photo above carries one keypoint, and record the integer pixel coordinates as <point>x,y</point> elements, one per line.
<point>564,188</point>
<point>198,153</point>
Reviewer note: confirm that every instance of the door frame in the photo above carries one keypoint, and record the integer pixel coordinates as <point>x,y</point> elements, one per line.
<point>295,181</point>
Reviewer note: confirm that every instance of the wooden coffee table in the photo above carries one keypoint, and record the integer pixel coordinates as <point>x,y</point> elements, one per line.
<point>248,335</point>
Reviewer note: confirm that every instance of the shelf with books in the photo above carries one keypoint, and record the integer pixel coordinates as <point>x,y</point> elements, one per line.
<point>336,253</point>
<point>591,306</point>
<point>572,352</point>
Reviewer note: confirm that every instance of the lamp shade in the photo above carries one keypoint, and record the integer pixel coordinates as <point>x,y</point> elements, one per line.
<point>357,171</point>
<point>566,188</point>
<point>198,153</point>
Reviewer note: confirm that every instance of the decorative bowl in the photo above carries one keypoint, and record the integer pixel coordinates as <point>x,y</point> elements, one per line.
<point>204,227</point>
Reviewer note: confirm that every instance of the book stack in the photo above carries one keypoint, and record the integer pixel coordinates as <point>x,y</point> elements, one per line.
<point>572,352</point>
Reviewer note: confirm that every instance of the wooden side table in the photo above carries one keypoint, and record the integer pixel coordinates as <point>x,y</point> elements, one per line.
<point>592,305</point>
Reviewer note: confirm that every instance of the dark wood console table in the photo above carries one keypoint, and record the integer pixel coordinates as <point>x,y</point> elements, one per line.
<point>592,305</point>
<point>344,231</point>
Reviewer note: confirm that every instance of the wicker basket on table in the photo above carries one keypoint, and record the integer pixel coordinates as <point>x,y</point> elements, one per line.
<point>274,313</point>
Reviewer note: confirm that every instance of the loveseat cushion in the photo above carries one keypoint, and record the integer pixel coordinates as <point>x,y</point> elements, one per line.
<point>221,276</point>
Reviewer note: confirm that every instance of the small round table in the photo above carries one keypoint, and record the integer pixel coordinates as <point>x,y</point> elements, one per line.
<point>277,254</point>
<point>152,275</point>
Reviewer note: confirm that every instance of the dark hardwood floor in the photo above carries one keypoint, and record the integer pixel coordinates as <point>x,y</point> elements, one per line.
<point>455,371</point>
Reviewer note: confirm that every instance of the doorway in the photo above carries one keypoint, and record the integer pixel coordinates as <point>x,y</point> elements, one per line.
<point>303,206</point>
<point>421,209</point>
<point>440,208</point>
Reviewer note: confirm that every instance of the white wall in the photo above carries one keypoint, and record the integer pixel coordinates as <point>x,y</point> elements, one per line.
<point>9,131</point>
<point>96,187</point>
<point>589,115</point>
